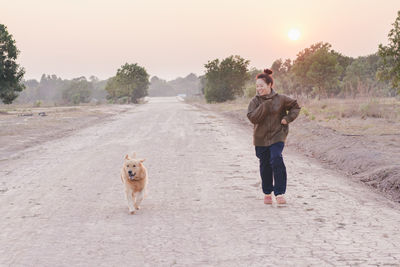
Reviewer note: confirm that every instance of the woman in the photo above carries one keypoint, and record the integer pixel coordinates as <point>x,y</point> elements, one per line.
<point>271,113</point>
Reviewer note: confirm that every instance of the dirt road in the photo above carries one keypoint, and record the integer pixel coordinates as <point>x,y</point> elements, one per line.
<point>62,202</point>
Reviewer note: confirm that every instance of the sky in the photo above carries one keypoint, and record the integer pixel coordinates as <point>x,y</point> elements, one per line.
<point>173,38</point>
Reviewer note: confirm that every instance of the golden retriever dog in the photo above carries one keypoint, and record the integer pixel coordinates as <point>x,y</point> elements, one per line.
<point>134,178</point>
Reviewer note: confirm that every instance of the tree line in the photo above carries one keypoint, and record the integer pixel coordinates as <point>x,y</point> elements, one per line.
<point>318,71</point>
<point>54,89</point>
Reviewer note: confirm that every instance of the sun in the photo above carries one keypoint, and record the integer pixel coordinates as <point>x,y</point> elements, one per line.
<point>294,34</point>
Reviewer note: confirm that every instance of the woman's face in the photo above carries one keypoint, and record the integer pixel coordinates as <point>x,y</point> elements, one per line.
<point>262,88</point>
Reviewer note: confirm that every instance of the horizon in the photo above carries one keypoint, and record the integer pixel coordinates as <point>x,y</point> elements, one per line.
<point>172,40</point>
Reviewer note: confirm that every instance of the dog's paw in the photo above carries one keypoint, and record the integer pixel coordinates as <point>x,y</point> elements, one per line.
<point>137,208</point>
<point>131,212</point>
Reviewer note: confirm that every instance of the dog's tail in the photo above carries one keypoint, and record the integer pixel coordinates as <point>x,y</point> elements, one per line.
<point>134,155</point>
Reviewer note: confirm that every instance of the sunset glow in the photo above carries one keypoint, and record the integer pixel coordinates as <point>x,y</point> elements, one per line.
<point>173,38</point>
<point>294,34</point>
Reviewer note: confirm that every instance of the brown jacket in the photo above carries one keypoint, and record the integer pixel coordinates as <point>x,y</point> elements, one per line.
<point>266,113</point>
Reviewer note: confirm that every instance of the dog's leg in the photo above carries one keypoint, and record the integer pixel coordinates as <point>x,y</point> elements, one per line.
<point>139,198</point>
<point>134,197</point>
<point>130,200</point>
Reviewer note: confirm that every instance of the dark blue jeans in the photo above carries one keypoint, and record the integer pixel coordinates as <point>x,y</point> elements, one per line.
<point>272,168</point>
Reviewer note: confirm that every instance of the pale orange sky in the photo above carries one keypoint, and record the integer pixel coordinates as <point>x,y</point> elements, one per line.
<point>175,37</point>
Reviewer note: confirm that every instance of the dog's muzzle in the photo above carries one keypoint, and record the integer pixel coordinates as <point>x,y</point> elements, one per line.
<point>131,175</point>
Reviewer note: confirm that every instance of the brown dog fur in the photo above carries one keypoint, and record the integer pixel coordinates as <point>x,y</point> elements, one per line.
<point>134,177</point>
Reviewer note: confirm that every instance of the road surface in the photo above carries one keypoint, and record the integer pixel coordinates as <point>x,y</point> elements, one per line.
<point>62,202</point>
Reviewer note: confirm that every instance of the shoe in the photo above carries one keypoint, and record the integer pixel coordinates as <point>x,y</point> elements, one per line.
<point>268,199</point>
<point>280,199</point>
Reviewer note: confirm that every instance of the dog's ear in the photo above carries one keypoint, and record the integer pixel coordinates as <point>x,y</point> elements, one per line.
<point>142,160</point>
<point>126,156</point>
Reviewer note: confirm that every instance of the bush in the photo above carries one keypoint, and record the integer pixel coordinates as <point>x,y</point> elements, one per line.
<point>371,109</point>
<point>123,100</point>
<point>250,91</point>
<point>37,103</point>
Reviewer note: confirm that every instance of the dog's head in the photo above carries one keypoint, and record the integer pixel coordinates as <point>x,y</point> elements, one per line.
<point>132,167</point>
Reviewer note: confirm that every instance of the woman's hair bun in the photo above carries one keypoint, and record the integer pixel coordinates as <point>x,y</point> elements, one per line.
<point>268,71</point>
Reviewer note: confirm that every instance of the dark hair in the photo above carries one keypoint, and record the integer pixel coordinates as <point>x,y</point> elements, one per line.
<point>266,76</point>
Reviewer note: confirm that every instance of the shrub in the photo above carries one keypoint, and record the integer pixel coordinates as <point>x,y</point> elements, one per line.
<point>250,91</point>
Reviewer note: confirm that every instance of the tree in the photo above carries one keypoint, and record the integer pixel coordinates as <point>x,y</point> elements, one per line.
<point>50,88</point>
<point>360,76</point>
<point>203,82</point>
<point>324,72</point>
<point>317,68</point>
<point>189,85</point>
<point>283,79</point>
<point>391,56</point>
<point>79,91</point>
<point>225,79</point>
<point>344,62</point>
<point>10,72</point>
<point>160,87</point>
<point>131,82</point>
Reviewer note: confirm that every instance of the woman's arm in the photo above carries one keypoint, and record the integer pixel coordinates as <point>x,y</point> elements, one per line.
<point>293,107</point>
<point>256,112</point>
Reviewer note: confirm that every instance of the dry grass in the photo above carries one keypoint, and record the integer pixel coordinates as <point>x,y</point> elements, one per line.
<point>326,109</point>
<point>364,116</point>
<point>361,116</point>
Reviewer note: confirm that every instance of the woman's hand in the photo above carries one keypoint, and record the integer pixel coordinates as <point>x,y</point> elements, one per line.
<point>283,121</point>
